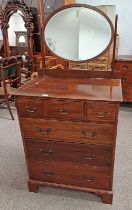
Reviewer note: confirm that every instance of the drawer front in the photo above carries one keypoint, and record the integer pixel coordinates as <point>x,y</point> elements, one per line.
<point>127,78</point>
<point>68,131</point>
<point>65,109</point>
<point>78,65</point>
<point>102,60</point>
<point>96,66</point>
<point>127,93</point>
<point>123,66</point>
<point>105,112</point>
<point>74,175</point>
<point>31,107</point>
<point>69,152</point>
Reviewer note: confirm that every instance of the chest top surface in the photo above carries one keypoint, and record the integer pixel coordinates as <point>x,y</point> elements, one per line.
<point>77,89</point>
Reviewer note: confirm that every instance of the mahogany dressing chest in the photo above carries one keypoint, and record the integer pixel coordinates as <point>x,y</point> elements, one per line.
<point>69,121</point>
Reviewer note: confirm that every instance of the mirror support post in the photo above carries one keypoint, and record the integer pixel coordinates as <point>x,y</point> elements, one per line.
<point>115,38</point>
<point>30,47</point>
<point>4,27</point>
<point>41,26</point>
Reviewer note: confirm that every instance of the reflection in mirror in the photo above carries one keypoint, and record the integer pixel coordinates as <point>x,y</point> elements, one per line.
<point>78,33</point>
<point>22,41</point>
<point>17,34</point>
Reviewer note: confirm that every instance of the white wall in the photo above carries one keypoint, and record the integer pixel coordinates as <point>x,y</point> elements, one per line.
<point>98,2</point>
<point>124,11</point>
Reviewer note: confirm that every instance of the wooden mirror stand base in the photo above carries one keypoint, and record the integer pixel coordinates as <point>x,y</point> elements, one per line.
<point>106,196</point>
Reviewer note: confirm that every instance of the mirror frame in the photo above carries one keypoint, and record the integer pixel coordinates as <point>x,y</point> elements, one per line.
<point>9,10</point>
<point>85,6</point>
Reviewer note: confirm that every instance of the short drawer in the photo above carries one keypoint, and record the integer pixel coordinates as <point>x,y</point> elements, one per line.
<point>65,109</point>
<point>70,152</point>
<point>96,66</point>
<point>68,174</point>
<point>105,112</point>
<point>29,107</point>
<point>102,60</point>
<point>68,131</point>
<point>127,93</point>
<point>127,78</point>
<point>123,66</point>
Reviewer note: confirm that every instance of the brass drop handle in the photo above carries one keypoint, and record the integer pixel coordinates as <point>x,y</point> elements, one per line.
<point>64,111</point>
<point>46,152</point>
<point>48,173</point>
<point>44,131</point>
<point>30,109</point>
<point>102,114</point>
<point>88,135</point>
<point>89,179</point>
<point>125,67</point>
<point>88,156</point>
<point>123,79</point>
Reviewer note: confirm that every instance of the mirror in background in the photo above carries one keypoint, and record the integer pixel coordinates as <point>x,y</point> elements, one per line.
<point>22,41</point>
<point>78,33</point>
<point>17,34</point>
<point>1,43</point>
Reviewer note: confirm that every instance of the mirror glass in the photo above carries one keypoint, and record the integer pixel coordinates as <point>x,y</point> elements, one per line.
<point>78,33</point>
<point>17,34</point>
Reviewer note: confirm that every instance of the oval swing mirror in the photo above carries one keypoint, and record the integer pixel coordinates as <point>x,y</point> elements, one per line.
<point>78,33</point>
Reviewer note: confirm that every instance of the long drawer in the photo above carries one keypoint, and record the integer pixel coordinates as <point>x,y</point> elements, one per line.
<point>92,133</point>
<point>68,174</point>
<point>70,152</point>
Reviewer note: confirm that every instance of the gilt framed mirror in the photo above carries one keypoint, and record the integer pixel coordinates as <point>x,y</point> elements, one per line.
<point>17,36</point>
<point>78,33</point>
<point>17,29</point>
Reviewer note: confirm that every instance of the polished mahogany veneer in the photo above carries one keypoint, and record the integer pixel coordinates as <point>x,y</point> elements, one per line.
<point>69,130</point>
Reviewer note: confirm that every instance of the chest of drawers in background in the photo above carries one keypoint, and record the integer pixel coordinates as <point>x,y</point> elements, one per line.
<point>124,65</point>
<point>70,141</point>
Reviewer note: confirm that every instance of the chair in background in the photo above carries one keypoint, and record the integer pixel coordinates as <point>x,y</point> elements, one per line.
<point>10,77</point>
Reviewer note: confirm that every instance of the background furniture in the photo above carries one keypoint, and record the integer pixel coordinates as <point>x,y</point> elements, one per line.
<point>9,76</point>
<point>17,14</point>
<point>124,65</point>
